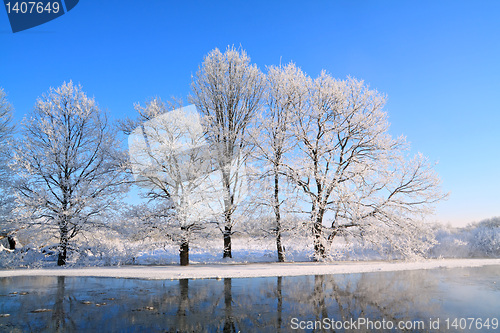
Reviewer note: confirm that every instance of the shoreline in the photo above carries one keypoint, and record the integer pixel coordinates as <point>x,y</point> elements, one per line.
<point>219,271</point>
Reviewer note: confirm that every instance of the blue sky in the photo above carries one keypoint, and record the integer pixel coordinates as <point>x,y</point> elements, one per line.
<point>437,61</point>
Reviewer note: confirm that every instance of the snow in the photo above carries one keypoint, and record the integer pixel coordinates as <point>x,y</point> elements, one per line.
<point>249,270</point>
<point>2,248</point>
<point>112,249</point>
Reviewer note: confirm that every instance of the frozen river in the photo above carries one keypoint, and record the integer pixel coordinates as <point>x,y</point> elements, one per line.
<point>419,300</point>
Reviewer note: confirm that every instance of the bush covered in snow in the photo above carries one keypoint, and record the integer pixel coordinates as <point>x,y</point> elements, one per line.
<point>480,239</point>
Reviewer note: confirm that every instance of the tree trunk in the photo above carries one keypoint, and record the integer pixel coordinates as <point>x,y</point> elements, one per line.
<point>228,206</point>
<point>63,246</point>
<point>279,246</point>
<point>319,246</point>
<point>184,253</point>
<point>281,249</point>
<point>12,242</point>
<point>61,259</point>
<point>227,242</point>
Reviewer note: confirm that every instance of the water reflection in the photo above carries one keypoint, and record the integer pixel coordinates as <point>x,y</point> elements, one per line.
<point>59,304</point>
<point>59,315</point>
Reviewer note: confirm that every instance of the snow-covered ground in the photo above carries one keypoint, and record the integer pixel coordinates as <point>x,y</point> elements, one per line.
<point>249,270</point>
<point>103,248</point>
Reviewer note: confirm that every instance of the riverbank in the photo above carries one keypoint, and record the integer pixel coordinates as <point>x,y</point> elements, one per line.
<point>200,271</point>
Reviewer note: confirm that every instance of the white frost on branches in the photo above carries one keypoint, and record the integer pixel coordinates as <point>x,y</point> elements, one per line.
<point>6,175</point>
<point>68,159</point>
<point>353,174</point>
<point>227,91</point>
<point>170,157</point>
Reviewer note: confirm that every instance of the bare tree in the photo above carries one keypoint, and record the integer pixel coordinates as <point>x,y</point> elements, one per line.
<point>7,223</point>
<point>169,157</point>
<point>68,159</point>
<point>286,93</point>
<point>353,173</point>
<point>227,91</point>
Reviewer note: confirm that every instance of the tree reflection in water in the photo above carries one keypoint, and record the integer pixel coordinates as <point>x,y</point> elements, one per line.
<point>260,304</point>
<point>229,326</point>
<point>59,316</point>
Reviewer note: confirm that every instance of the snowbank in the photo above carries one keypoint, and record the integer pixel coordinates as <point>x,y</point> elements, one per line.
<point>249,270</point>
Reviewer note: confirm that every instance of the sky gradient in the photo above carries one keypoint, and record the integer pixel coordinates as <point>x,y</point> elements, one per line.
<point>437,61</point>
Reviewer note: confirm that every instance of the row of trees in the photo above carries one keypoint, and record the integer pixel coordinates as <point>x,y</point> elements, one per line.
<point>279,143</point>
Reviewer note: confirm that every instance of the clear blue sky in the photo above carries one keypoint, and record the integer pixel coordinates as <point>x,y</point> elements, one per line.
<point>438,62</point>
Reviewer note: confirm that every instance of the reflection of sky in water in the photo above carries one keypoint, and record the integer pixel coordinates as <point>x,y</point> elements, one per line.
<point>249,304</point>
<point>472,293</point>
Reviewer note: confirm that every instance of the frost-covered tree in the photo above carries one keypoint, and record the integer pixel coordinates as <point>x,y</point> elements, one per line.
<point>7,224</point>
<point>170,158</point>
<point>285,97</point>
<point>70,164</point>
<point>353,174</point>
<point>227,91</point>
